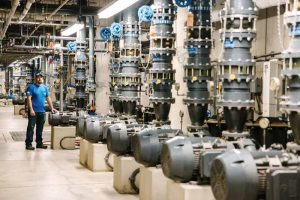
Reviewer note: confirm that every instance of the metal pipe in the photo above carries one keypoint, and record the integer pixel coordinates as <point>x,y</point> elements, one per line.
<point>26,9</point>
<point>14,6</point>
<point>46,19</point>
<point>61,71</point>
<point>92,88</point>
<point>35,23</point>
<point>37,47</point>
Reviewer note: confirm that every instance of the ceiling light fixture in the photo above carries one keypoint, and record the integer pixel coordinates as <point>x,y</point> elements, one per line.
<point>72,29</point>
<point>115,7</point>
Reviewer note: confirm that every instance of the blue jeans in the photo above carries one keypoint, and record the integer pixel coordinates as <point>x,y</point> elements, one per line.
<point>38,120</point>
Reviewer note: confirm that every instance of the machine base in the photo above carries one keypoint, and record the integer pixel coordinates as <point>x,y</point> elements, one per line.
<point>83,152</point>
<point>95,157</point>
<point>185,191</point>
<point>58,133</point>
<point>123,169</point>
<point>153,184</point>
<point>17,109</point>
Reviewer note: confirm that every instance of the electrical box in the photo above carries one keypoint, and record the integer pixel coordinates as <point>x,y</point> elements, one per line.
<point>271,99</point>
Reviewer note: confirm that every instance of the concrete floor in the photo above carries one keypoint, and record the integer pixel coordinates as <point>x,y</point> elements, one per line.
<point>46,174</point>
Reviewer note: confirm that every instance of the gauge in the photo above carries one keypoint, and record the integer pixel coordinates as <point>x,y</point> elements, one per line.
<point>264,123</point>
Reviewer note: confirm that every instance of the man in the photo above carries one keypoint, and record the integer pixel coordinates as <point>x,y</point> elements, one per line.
<point>37,93</point>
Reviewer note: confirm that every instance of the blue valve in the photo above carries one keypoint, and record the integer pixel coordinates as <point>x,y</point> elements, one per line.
<point>145,13</point>
<point>116,30</point>
<point>105,33</point>
<point>71,46</point>
<point>183,3</point>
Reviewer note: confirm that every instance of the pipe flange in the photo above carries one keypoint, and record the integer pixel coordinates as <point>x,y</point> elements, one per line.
<point>236,77</point>
<point>249,13</point>
<point>289,107</point>
<point>129,60</point>
<point>160,123</point>
<point>200,66</point>
<point>158,100</point>
<point>189,101</point>
<point>235,135</point>
<point>129,99</point>
<point>230,104</point>
<point>163,51</point>
<point>199,79</point>
<point>291,72</point>
<point>238,34</point>
<point>293,147</point>
<point>237,62</point>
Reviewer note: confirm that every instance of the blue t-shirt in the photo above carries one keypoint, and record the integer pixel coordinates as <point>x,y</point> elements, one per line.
<point>38,95</point>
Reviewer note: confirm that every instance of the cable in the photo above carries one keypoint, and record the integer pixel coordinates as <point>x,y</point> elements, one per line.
<point>132,179</point>
<point>61,141</point>
<point>106,159</point>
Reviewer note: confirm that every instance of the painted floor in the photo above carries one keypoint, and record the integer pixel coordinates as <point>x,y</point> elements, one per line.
<point>46,174</point>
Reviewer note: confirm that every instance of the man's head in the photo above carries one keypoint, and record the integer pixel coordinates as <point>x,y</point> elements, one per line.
<point>39,78</point>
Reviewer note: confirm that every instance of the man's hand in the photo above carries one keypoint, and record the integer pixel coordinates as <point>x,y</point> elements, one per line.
<point>53,110</point>
<point>32,113</point>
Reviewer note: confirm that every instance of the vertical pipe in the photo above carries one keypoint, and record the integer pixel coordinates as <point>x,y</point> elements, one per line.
<point>130,78</point>
<point>291,71</point>
<point>198,67</point>
<point>162,49</point>
<point>237,67</point>
<point>80,69</point>
<point>91,61</point>
<point>61,71</point>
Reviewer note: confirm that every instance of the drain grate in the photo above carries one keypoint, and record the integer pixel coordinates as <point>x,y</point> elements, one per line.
<point>21,136</point>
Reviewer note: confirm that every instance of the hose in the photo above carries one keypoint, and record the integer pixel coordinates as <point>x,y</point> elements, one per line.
<point>132,179</point>
<point>106,159</point>
<point>61,141</point>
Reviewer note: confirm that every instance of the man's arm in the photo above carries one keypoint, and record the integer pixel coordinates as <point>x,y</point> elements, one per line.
<point>49,101</point>
<point>31,111</point>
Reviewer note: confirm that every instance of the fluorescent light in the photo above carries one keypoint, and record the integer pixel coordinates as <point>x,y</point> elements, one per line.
<point>115,8</point>
<point>72,29</point>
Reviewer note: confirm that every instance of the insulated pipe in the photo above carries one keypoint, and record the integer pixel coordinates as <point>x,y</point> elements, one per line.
<point>26,9</point>
<point>14,6</point>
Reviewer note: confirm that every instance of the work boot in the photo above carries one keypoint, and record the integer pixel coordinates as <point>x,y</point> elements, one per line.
<point>30,148</point>
<point>41,146</point>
